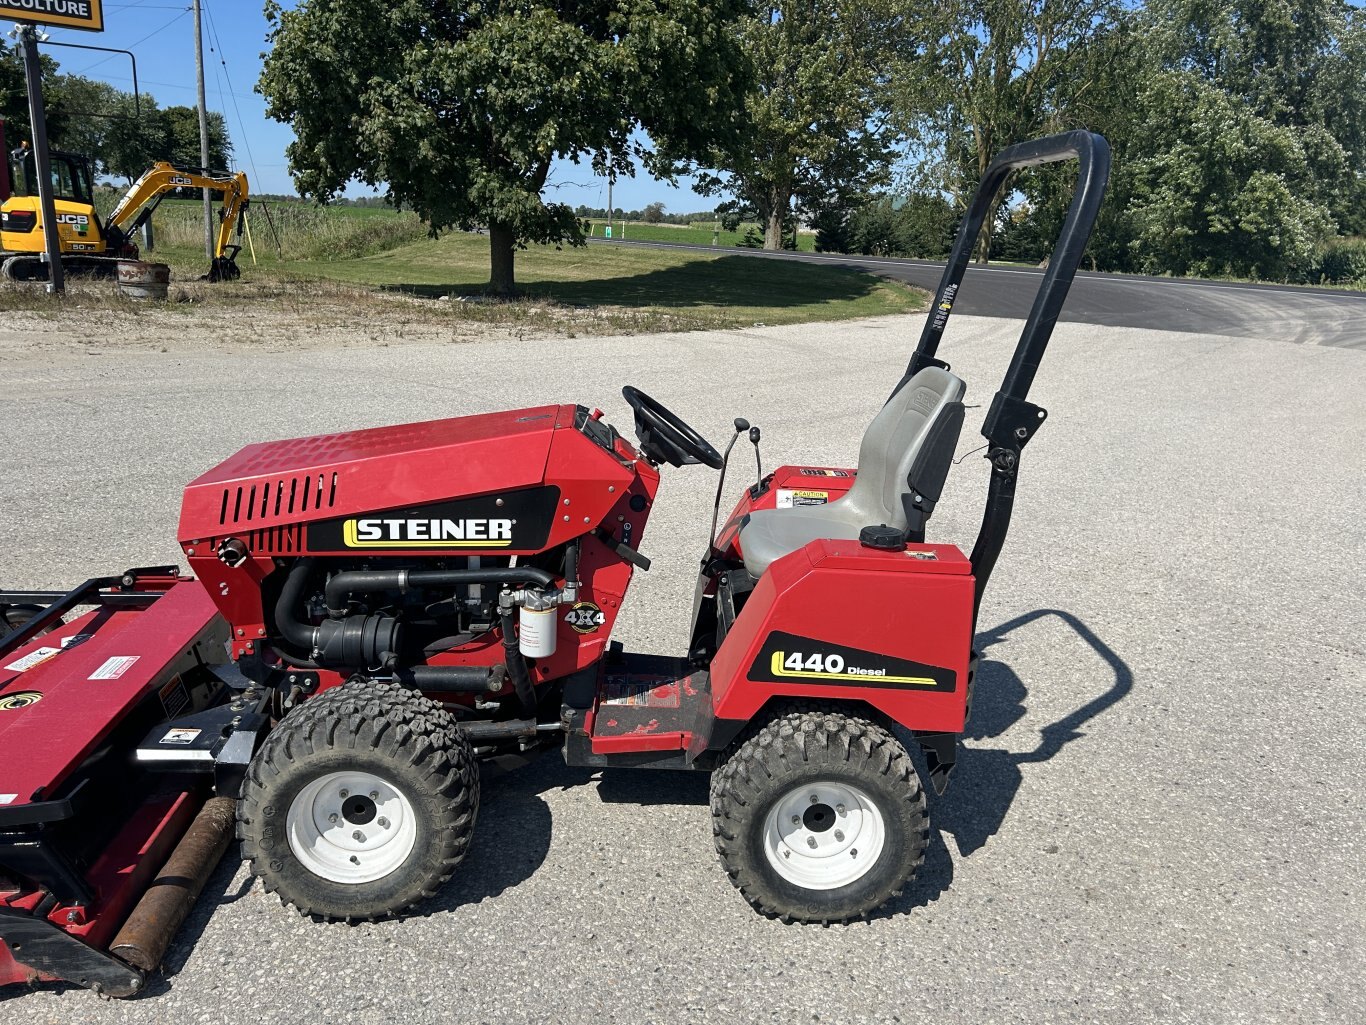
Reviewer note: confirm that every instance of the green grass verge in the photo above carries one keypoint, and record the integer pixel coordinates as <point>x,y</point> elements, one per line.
<point>720,289</point>
<point>598,288</point>
<point>698,233</point>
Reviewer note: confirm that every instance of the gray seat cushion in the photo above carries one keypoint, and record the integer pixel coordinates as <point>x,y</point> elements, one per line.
<point>772,533</point>
<point>903,459</point>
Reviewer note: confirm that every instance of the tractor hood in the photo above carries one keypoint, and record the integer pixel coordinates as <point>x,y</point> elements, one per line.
<point>282,484</point>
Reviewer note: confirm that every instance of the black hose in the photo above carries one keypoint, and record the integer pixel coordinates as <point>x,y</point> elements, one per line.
<point>297,632</point>
<point>516,663</point>
<point>368,580</point>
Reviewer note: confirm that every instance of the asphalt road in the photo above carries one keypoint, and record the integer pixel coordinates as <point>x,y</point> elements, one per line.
<point>1314,316</point>
<point>1158,813</point>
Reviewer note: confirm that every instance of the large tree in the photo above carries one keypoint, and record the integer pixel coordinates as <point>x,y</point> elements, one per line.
<point>998,72</point>
<point>182,138</point>
<point>460,108</point>
<point>816,131</point>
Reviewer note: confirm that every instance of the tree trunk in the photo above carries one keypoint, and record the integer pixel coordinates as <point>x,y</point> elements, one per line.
<point>502,245</point>
<point>777,218</point>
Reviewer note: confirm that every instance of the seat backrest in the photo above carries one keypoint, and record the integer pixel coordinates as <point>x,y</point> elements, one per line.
<point>907,450</point>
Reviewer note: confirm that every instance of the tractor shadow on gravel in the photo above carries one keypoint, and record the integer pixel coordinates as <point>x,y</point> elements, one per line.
<point>987,779</point>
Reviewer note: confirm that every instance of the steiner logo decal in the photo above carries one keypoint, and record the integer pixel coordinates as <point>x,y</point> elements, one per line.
<point>788,658</point>
<point>517,520</point>
<point>376,532</point>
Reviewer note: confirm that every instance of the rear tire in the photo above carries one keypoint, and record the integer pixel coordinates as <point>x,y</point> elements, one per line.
<point>819,817</point>
<point>360,804</point>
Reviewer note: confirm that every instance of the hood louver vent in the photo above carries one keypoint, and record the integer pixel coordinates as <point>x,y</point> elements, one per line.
<point>270,500</point>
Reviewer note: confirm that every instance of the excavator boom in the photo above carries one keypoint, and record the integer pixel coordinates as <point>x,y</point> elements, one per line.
<point>161,179</point>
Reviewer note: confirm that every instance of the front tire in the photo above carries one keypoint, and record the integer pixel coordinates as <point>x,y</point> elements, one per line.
<point>819,817</point>
<point>360,804</point>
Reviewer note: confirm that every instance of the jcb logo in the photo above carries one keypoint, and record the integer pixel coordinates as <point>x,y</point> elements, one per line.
<point>180,179</point>
<point>80,220</point>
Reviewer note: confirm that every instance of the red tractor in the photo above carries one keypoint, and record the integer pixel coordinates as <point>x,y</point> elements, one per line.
<point>397,604</point>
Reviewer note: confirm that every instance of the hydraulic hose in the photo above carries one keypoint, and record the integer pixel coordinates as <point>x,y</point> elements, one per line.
<point>369,580</point>
<point>516,663</point>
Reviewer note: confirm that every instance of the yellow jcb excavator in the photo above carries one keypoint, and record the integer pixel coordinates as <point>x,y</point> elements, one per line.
<point>92,246</point>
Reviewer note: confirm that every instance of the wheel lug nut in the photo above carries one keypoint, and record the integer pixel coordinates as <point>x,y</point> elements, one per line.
<point>811,842</point>
<point>839,808</point>
<point>796,819</point>
<point>332,817</point>
<point>355,860</point>
<point>815,799</point>
<point>374,795</point>
<point>383,822</point>
<point>839,836</point>
<point>346,793</point>
<point>853,852</point>
<point>358,836</point>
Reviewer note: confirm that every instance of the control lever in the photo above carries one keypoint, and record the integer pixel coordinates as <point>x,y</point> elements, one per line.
<point>741,425</point>
<point>758,466</point>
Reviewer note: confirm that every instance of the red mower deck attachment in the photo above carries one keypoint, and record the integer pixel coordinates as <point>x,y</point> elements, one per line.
<point>379,610</point>
<point>84,827</point>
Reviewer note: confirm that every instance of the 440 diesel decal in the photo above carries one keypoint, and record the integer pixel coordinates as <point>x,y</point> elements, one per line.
<point>789,658</point>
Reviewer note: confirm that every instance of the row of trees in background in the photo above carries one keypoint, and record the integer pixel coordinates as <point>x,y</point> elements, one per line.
<point>121,133</point>
<point>1239,126</point>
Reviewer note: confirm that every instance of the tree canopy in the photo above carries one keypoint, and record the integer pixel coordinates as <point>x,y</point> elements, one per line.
<point>461,108</point>
<point>120,133</point>
<point>816,129</point>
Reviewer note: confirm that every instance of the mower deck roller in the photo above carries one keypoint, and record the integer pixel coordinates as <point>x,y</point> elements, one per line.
<point>378,610</point>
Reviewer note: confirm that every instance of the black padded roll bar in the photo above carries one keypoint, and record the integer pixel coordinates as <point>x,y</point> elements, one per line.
<point>1012,420</point>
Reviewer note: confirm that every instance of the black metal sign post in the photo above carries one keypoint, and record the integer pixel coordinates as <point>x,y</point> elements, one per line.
<point>33,72</point>
<point>80,14</point>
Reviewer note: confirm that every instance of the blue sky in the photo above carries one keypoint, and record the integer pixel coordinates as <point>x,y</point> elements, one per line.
<point>161,34</point>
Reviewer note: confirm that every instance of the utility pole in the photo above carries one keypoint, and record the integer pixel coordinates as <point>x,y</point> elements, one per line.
<point>611,213</point>
<point>33,75</point>
<point>203,129</point>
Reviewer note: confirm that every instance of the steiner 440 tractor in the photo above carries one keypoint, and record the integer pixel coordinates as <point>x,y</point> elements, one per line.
<point>377,611</point>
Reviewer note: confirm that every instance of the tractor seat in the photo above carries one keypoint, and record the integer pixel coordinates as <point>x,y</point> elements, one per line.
<point>902,464</point>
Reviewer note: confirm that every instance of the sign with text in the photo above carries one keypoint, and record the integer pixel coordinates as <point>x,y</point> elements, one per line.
<point>86,14</point>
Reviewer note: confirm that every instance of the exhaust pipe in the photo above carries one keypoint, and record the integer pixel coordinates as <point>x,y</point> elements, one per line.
<point>143,940</point>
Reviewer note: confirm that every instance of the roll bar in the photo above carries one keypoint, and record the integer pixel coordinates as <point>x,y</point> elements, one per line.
<point>1012,420</point>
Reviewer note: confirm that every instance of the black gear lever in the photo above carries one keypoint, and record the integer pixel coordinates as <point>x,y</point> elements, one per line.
<point>741,425</point>
<point>758,466</point>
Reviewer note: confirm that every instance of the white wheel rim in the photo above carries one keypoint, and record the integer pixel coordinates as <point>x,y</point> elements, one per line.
<point>351,827</point>
<point>824,835</point>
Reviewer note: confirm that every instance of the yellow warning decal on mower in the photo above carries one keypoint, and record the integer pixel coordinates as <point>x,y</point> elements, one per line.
<point>20,699</point>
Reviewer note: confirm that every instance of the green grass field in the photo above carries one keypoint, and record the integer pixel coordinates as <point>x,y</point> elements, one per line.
<point>654,288</point>
<point>698,233</point>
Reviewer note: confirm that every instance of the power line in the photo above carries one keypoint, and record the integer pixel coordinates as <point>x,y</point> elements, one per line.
<point>144,39</point>
<point>222,59</point>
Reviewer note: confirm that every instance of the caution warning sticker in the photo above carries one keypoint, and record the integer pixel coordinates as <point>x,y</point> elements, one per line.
<point>641,691</point>
<point>36,657</point>
<point>791,499</point>
<point>114,667</point>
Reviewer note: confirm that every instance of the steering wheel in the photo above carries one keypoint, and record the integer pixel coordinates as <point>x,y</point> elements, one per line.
<point>664,438</point>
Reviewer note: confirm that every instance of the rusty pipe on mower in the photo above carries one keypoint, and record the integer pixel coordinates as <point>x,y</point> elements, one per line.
<point>143,940</point>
